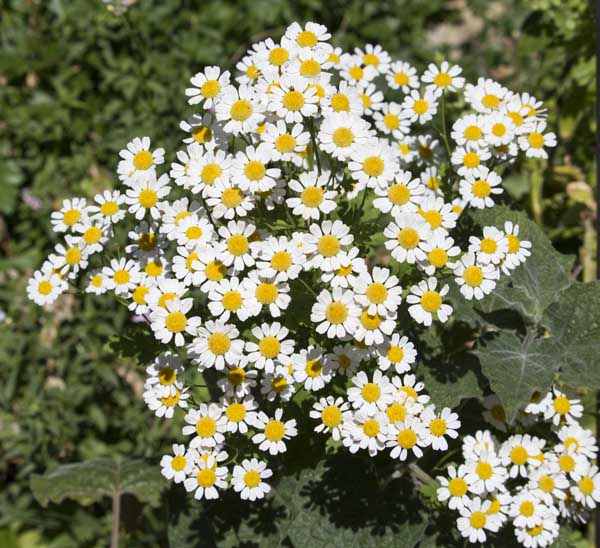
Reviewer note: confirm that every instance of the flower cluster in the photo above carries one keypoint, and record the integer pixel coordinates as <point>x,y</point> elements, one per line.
<point>254,262</point>
<point>522,480</point>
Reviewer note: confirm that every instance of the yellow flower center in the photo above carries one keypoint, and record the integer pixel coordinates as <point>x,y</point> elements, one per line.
<point>255,170</point>
<point>206,477</point>
<point>236,376</point>
<point>210,172</point>
<point>313,368</point>
<point>340,103</point>
<point>336,313</point>
<point>410,392</point>
<point>401,78</point>
<point>586,485</point>
<point>73,256</point>
<point>232,300</point>
<point>275,430</point>
<point>237,244</point>
<point>252,479</point>
<point>219,343</point>
<point>438,427</point>
<point>202,134</point>
<point>376,293</point>
<point>266,293</point>
<point>490,101</point>
<point>235,412</point>
<point>176,322</point>
<point>395,354</point>
<point>514,243</point>
<point>148,198</point>
<point>278,56</point>
<point>370,59</point>
<point>566,463</point>
<point>96,281</point>
<point>373,166</point>
<point>109,208</point>
<point>281,261</point>
<point>143,160</point>
<point>269,347</point>
<point>210,88</point>
<point>498,129</point>
<point>473,133</point>
<point>331,416</point>
<point>285,143</point>
<point>178,463</point>
<point>484,470</point>
<point>481,188</point>
<point>241,110</point>
<point>535,531</point>
<point>356,72</point>
<point>391,121</point>
<point>488,245</point>
<point>293,100</point>
<point>370,322</point>
<point>371,392</point>
<point>206,427</point>
<point>310,68</point>
<point>232,197</point>
<point>343,137</point>
<point>546,484</point>
<point>252,72</point>
<point>561,405</point>
<point>442,80</point>
<point>396,412</point>
<point>366,101</point>
<point>139,294</point>
<point>519,455</point>
<point>307,39</point>
<point>371,428</point>
<point>433,217</point>
<point>471,160</point>
<point>527,509</point>
<point>438,257</point>
<point>71,216</point>
<point>421,106</point>
<point>431,301</point>
<point>312,196</point>
<point>44,287</point>
<point>398,194</point>
<point>473,276</point>
<point>167,376</point>
<point>191,258</point>
<point>121,277</point>
<point>457,487</point>
<point>344,270</point>
<point>215,271</point>
<point>171,401</point>
<point>477,520</point>
<point>407,438</point>
<point>408,238</point>
<point>147,241</point>
<point>328,245</point>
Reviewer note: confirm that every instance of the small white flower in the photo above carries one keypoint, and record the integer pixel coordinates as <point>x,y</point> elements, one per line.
<point>240,414</point>
<point>335,313</point>
<point>331,413</point>
<point>373,165</point>
<point>273,431</point>
<point>454,488</point>
<point>316,198</point>
<point>368,431</point>
<point>326,242</point>
<point>478,187</point>
<point>208,86</point>
<point>396,351</point>
<point>171,322</point>
<point>272,346</point>
<point>439,426</point>
<point>406,437</point>
<point>535,140</point>
<point>427,302</point>
<point>207,424</point>
<point>44,287</point>
<point>247,479</point>
<point>406,236</point>
<point>421,108</point>
<point>402,76</point>
<point>312,369</point>
<point>250,170</point>
<point>442,78</point>
<point>204,479</point>
<point>179,465</point>
<point>138,159</point>
<point>492,248</point>
<point>371,396</point>
<point>71,212</point>
<point>475,280</point>
<point>216,344</point>
<point>475,520</point>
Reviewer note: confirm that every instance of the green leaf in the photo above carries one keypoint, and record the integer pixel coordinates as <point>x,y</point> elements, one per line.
<point>575,326</point>
<point>101,477</point>
<point>516,369</point>
<point>533,286</point>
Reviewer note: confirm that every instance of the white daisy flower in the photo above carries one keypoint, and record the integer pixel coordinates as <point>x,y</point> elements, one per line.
<point>442,78</point>
<point>278,258</point>
<point>138,159</point>
<point>147,241</point>
<point>400,196</point>
<point>335,313</point>
<point>310,65</point>
<point>107,206</point>
<point>286,144</point>
<point>440,425</point>
<point>468,131</point>
<point>193,231</point>
<point>475,280</point>
<point>534,141</point>
<point>372,99</point>
<point>392,121</point>
<point>486,96</point>
<point>325,243</point>
<point>293,99</point>
<point>374,56</point>
<point>209,169</point>
<point>250,73</point>
<point>396,351</point>
<point>439,250</point>
<point>478,187</point>
<point>408,387</point>
<point>475,520</point>
<point>526,509</point>
<point>342,133</point>
<point>121,276</point>
<point>273,431</point>
<point>71,212</point>
<point>226,298</point>
<point>547,483</point>
<point>227,201</point>
<point>207,425</point>
<point>518,250</point>
<point>355,73</point>
<point>402,76</point>
<point>165,406</point>
<point>542,535</point>
<point>406,437</point>
<point>204,479</point>
<point>216,344</point>
<point>247,479</point>
<point>96,283</point>
<point>492,248</point>
<point>309,36</point>
<point>279,384</point>
<point>560,409</point>
<point>312,369</point>
<point>485,473</point>
<point>239,250</point>
<point>239,109</point>
<point>171,322</point>
<point>427,302</point>
<point>262,293</point>
<point>345,359</point>
<point>468,160</point>
<point>315,198</point>
<point>45,286</point>
<point>419,108</point>
<point>406,236</point>
<point>331,413</point>
<point>499,129</point>
<point>379,291</point>
<point>586,489</point>
<point>204,130</point>
<point>145,195</point>
<point>454,488</point>
<point>364,430</point>
<point>272,346</point>
<point>178,466</point>
<point>520,453</point>
<point>208,86</point>
<point>238,382</point>
<point>373,328</point>
<point>250,169</point>
<point>240,414</point>
<point>473,446</point>
<point>371,396</point>
<point>580,440</point>
<point>373,165</point>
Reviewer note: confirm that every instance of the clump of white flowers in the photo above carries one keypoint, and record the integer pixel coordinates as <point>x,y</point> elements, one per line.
<point>523,480</point>
<point>262,216</point>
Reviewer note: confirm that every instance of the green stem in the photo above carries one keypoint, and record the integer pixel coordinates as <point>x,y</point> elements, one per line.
<point>307,286</point>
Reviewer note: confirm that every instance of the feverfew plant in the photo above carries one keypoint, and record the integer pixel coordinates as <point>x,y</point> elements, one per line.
<point>305,237</point>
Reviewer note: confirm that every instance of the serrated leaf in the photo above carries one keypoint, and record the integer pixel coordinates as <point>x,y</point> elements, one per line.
<point>101,477</point>
<point>574,324</point>
<point>516,369</point>
<point>532,286</point>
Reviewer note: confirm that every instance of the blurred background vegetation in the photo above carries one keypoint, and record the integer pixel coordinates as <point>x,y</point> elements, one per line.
<point>77,82</point>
